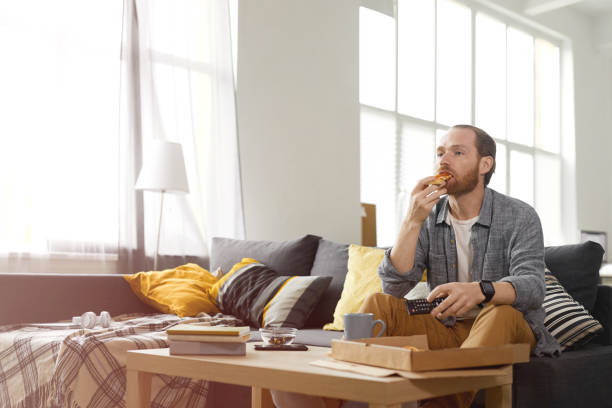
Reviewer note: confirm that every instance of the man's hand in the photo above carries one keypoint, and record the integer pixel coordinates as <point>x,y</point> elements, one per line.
<point>422,199</point>
<point>461,297</point>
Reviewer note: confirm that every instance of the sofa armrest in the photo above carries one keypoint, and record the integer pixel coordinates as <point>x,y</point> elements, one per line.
<point>33,297</point>
<point>603,313</point>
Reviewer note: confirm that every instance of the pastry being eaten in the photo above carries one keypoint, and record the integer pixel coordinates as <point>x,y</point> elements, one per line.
<point>441,177</point>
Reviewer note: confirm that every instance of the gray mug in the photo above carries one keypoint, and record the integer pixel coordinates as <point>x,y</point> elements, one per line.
<point>361,325</point>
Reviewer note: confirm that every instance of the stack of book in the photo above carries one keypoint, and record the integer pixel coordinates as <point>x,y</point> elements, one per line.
<point>204,340</point>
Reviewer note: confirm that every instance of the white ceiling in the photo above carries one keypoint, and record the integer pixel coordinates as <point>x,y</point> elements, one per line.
<point>599,11</point>
<point>594,8</point>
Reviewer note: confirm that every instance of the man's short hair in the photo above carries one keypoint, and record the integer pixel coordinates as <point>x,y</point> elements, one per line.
<point>485,145</point>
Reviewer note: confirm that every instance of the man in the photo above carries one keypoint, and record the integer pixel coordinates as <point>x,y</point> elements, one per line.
<point>483,252</point>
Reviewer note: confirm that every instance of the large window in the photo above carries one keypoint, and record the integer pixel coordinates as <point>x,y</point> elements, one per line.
<point>59,103</point>
<point>86,85</point>
<point>436,63</point>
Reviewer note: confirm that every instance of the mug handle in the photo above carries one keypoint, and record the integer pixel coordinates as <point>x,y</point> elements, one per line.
<point>382,330</point>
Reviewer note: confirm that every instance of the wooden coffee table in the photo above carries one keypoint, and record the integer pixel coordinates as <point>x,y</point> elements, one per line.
<point>291,371</point>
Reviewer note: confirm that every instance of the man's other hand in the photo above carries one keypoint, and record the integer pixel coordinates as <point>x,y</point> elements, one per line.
<point>461,297</point>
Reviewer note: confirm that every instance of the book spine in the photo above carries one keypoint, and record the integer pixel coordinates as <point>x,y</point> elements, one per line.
<point>192,329</point>
<point>207,348</point>
<point>207,332</point>
<point>213,339</point>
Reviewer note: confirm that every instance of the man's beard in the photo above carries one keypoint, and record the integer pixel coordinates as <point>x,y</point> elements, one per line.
<point>465,185</point>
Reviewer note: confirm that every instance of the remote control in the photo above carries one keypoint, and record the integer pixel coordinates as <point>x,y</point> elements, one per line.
<point>422,306</point>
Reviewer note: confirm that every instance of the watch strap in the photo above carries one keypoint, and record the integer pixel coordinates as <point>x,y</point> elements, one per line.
<point>488,290</point>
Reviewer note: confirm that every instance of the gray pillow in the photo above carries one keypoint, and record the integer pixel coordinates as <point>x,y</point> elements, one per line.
<point>293,257</point>
<point>331,260</point>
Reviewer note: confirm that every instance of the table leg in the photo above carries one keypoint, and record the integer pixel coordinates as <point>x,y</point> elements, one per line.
<point>261,398</point>
<point>499,397</point>
<point>138,389</point>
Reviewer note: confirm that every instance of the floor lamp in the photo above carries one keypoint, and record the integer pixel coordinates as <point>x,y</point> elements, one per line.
<point>163,171</point>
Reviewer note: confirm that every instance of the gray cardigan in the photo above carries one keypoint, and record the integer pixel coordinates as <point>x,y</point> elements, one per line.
<point>508,247</point>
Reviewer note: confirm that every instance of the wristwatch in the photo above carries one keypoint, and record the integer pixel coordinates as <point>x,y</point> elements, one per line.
<point>487,290</point>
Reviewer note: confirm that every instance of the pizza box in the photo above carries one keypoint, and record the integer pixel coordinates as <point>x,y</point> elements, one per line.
<point>390,352</point>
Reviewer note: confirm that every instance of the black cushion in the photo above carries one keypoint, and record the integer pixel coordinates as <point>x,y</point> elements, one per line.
<point>331,259</point>
<point>576,379</point>
<point>603,313</point>
<point>293,257</point>
<point>577,269</point>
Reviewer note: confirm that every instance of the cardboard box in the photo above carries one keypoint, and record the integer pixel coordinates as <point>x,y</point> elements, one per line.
<point>413,375</point>
<point>388,352</point>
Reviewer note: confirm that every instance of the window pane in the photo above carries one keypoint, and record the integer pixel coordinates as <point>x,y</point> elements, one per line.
<point>498,180</point>
<point>376,59</point>
<point>491,76</point>
<point>416,45</point>
<point>453,92</point>
<point>417,152</point>
<point>520,87</point>
<point>548,196</point>
<point>378,169</point>
<point>64,72</point>
<point>521,176</point>
<point>548,99</point>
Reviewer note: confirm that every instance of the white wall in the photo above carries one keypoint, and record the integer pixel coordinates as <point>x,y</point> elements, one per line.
<point>299,118</point>
<point>299,123</point>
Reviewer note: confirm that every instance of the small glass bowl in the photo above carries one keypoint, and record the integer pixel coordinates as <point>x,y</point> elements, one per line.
<point>278,335</point>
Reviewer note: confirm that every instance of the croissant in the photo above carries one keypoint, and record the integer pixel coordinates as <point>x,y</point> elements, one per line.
<point>441,178</point>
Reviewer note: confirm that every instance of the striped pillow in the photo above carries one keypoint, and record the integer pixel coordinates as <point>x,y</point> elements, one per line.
<point>567,320</point>
<point>260,297</point>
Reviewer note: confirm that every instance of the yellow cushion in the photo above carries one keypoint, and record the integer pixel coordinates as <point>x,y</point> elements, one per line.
<point>213,291</point>
<point>182,291</point>
<point>361,280</point>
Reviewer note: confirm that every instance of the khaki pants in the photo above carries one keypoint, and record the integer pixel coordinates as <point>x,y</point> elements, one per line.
<point>495,325</point>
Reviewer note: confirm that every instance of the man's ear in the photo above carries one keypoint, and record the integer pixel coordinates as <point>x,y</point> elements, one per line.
<point>486,163</point>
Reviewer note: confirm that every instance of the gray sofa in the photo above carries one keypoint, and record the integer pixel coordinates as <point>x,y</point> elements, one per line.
<point>578,378</point>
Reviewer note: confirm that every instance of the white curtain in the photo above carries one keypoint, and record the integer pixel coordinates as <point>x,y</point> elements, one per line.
<point>59,91</point>
<point>178,86</point>
<point>85,85</point>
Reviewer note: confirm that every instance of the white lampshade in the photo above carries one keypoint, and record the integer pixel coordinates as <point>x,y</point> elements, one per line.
<point>163,168</point>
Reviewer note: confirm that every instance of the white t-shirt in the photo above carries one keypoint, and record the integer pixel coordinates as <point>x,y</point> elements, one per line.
<point>463,243</point>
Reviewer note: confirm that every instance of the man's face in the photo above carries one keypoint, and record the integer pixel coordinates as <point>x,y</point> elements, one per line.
<point>457,154</point>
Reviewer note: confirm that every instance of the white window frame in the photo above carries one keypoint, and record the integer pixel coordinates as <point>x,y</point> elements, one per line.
<point>566,155</point>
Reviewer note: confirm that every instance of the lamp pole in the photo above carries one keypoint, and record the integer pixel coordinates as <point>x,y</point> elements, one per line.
<point>159,222</point>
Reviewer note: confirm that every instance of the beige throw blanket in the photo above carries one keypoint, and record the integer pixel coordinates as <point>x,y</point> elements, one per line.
<point>62,365</point>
